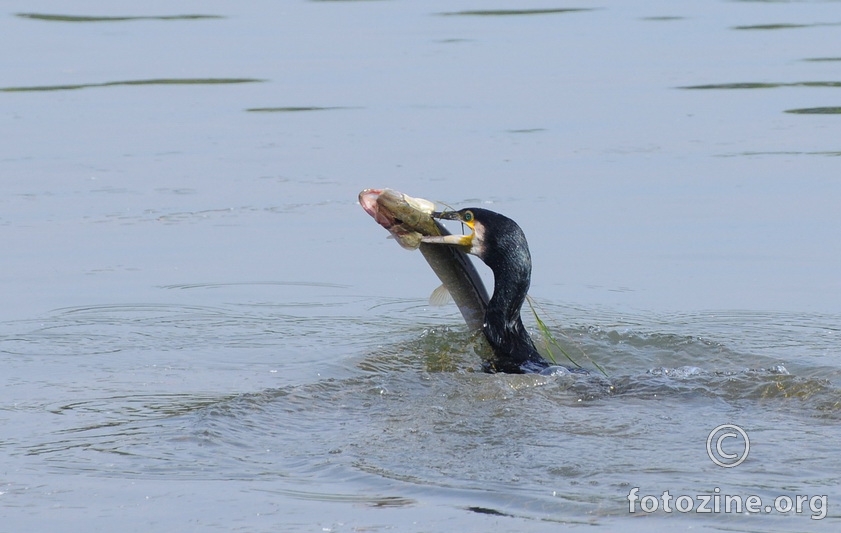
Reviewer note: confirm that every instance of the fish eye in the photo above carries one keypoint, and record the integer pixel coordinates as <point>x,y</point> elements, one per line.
<point>467,216</point>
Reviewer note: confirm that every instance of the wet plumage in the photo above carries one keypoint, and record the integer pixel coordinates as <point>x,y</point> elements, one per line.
<point>500,243</point>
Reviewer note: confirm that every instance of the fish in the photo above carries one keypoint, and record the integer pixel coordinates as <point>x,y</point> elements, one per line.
<point>408,220</point>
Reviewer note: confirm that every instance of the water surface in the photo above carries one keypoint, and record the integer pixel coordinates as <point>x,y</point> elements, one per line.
<point>203,330</point>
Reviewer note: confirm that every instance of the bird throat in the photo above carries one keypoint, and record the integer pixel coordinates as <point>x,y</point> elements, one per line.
<point>503,327</point>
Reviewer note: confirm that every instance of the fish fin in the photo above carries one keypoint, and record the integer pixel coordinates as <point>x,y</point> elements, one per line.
<point>440,297</point>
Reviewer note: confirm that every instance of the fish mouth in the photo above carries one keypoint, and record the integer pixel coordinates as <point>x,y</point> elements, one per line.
<point>368,200</point>
<point>389,207</point>
<point>386,205</point>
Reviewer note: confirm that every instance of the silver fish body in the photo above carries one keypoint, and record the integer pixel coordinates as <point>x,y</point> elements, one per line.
<point>409,219</point>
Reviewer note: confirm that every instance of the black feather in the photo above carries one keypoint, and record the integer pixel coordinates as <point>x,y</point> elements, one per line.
<point>504,249</point>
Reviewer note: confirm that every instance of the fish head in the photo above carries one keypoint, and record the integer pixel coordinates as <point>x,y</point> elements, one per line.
<point>405,217</point>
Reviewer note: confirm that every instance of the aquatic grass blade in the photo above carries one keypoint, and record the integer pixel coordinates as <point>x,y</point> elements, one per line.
<point>551,340</point>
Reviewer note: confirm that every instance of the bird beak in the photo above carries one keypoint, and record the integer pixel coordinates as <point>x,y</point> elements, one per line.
<point>452,215</point>
<point>462,241</point>
<point>446,215</point>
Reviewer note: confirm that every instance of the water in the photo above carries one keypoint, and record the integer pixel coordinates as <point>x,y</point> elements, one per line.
<point>203,331</point>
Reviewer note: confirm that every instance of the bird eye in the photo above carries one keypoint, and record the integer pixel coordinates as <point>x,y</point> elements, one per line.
<point>467,216</point>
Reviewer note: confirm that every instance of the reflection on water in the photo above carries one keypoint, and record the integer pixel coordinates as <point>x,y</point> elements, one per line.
<point>157,81</point>
<point>527,130</point>
<point>815,111</point>
<point>515,12</point>
<point>183,286</point>
<point>294,109</point>
<point>763,85</point>
<point>81,18</point>
<point>821,153</point>
<point>785,26</point>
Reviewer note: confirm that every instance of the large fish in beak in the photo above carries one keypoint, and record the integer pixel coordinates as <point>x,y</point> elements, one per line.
<point>410,221</point>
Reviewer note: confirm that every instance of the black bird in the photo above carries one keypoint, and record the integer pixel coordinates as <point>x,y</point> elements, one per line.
<point>500,243</point>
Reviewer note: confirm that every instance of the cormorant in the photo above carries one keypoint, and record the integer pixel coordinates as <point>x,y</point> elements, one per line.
<point>500,243</point>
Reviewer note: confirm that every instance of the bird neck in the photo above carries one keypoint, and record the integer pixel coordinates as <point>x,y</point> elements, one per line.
<point>512,345</point>
<point>509,294</point>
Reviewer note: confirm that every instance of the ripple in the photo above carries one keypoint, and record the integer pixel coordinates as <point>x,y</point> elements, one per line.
<point>317,284</point>
<point>295,109</point>
<point>828,153</point>
<point>113,328</point>
<point>83,18</point>
<point>515,12</point>
<point>153,81</point>
<point>761,85</point>
<point>785,26</point>
<point>815,111</point>
<point>371,501</point>
<point>412,412</point>
<point>731,386</point>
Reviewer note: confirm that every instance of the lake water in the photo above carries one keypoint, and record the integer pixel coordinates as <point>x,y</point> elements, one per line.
<point>203,331</point>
